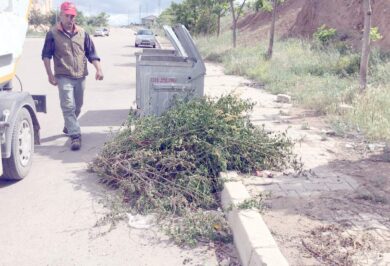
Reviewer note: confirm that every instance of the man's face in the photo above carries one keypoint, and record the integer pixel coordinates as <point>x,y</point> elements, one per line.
<point>67,21</point>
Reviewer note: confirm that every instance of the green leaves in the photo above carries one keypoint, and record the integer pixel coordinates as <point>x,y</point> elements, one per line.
<point>324,34</point>
<point>375,35</point>
<point>199,16</point>
<point>171,164</point>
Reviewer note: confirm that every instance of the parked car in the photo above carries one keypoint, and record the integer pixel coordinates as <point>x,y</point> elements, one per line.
<point>146,38</point>
<point>99,32</point>
<point>106,31</point>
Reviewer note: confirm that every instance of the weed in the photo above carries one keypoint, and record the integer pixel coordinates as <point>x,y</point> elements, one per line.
<point>197,225</point>
<point>320,79</point>
<point>255,203</point>
<point>305,126</point>
<point>372,113</point>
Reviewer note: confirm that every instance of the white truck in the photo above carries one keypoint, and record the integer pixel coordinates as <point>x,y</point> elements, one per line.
<point>19,126</point>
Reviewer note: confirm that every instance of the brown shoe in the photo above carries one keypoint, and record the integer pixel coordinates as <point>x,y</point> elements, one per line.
<point>75,143</point>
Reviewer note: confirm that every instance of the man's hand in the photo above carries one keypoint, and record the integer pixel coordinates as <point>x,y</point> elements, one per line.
<point>51,77</point>
<point>53,80</point>
<point>99,75</point>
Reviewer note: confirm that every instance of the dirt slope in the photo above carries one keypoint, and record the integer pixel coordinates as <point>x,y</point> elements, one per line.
<point>302,18</point>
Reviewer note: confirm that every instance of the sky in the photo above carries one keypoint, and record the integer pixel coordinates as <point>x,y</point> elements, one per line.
<point>122,12</point>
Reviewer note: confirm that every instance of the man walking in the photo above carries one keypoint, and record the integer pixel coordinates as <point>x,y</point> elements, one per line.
<point>70,47</point>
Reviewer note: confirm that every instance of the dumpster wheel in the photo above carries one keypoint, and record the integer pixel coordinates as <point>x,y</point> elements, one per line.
<point>18,165</point>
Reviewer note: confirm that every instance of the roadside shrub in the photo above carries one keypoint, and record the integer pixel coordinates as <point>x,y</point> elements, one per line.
<point>348,64</point>
<point>324,34</point>
<point>375,35</point>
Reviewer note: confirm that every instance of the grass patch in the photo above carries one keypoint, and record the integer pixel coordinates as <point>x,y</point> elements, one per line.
<point>316,76</point>
<point>170,165</point>
<point>371,114</point>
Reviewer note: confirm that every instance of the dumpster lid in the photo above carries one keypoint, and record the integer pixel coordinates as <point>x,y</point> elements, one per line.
<point>183,42</point>
<point>175,41</point>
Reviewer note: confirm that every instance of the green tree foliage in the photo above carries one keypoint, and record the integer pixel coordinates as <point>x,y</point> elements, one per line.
<point>99,20</point>
<point>81,19</point>
<point>38,19</point>
<point>324,34</point>
<point>258,5</point>
<point>52,18</point>
<point>199,16</point>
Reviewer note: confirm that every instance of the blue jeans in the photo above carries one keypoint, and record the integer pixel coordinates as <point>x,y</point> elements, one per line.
<point>71,93</point>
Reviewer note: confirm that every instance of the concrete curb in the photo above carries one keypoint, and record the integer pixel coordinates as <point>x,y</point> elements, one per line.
<point>252,238</point>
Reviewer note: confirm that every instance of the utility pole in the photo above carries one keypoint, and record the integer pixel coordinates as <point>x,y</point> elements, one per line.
<point>159,7</point>
<point>140,12</point>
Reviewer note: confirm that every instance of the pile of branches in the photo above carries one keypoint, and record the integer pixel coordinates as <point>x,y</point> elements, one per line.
<point>170,164</point>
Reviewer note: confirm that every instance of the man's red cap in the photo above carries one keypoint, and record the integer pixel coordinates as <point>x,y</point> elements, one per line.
<point>68,8</point>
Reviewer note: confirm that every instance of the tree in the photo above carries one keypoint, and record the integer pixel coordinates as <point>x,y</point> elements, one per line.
<point>236,12</point>
<point>365,44</point>
<point>219,9</point>
<point>80,18</point>
<point>99,20</point>
<point>197,16</point>
<point>272,30</point>
<point>36,18</point>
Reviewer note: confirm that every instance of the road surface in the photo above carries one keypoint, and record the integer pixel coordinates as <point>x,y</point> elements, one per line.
<point>49,217</point>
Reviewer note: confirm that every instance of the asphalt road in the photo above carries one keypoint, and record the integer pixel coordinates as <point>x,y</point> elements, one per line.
<point>49,217</point>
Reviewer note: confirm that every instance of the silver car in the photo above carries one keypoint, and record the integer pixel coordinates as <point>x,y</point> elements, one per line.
<point>145,37</point>
<point>99,32</point>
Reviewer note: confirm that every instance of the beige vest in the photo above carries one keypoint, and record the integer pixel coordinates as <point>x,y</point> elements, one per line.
<point>69,55</point>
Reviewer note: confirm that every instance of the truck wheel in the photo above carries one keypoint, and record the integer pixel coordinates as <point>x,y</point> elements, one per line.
<point>22,148</point>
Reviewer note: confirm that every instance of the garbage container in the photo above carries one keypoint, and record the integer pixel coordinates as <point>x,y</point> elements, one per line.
<point>163,75</point>
<point>147,51</point>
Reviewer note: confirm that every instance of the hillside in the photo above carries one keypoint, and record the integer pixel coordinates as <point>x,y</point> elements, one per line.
<point>303,17</point>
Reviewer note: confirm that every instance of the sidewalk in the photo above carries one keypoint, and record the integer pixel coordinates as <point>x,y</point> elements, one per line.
<point>338,210</point>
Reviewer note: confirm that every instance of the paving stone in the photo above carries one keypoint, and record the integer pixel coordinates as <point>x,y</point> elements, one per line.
<point>369,216</point>
<point>351,181</point>
<point>342,215</point>
<point>385,234</point>
<point>298,187</point>
<point>258,181</point>
<point>279,194</point>
<point>270,188</point>
<point>292,194</point>
<point>339,186</point>
<point>316,187</point>
<point>386,259</point>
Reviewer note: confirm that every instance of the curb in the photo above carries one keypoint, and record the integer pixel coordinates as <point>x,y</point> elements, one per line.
<point>252,238</point>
